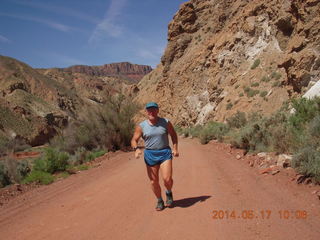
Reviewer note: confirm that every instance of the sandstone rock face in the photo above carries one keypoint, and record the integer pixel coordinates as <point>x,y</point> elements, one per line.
<point>131,72</point>
<point>228,56</point>
<point>36,103</point>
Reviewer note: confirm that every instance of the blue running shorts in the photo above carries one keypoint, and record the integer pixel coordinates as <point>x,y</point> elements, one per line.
<point>153,157</point>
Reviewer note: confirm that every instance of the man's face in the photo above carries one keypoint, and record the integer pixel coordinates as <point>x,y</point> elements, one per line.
<point>152,113</point>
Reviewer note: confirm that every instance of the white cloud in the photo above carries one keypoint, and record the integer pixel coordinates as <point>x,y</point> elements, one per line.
<point>55,25</point>
<point>4,39</point>
<point>49,23</point>
<point>59,10</point>
<point>109,26</point>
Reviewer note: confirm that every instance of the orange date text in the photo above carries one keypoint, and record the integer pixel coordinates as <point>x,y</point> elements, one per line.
<point>249,214</point>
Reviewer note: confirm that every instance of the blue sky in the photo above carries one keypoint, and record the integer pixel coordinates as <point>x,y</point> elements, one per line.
<point>61,33</point>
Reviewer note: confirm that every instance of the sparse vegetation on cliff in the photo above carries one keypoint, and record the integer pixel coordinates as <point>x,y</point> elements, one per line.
<point>255,64</point>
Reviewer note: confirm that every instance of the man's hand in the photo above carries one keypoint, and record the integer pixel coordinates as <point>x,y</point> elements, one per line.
<point>175,153</point>
<point>137,153</point>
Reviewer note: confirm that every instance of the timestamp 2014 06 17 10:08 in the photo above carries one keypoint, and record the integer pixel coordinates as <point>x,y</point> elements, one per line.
<point>259,214</point>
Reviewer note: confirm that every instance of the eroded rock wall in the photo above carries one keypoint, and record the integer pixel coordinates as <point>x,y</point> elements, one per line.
<point>130,72</point>
<point>229,56</point>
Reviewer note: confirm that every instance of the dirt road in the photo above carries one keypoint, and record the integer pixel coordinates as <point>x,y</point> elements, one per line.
<point>114,202</point>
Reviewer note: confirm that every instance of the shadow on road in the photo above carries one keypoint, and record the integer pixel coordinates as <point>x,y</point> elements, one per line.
<point>187,202</point>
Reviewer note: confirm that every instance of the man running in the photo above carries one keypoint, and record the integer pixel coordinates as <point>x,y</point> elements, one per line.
<point>157,153</point>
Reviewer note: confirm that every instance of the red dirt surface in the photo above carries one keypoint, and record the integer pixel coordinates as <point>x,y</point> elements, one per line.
<point>23,155</point>
<point>114,201</point>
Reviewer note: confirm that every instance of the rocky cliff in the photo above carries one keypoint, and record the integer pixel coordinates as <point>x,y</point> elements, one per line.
<point>32,106</point>
<point>36,103</point>
<point>131,72</point>
<point>225,56</point>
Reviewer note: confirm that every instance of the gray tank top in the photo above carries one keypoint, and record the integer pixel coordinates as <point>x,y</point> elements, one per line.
<point>155,136</point>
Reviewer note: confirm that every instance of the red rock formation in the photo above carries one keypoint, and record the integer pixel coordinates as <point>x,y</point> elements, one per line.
<point>131,72</point>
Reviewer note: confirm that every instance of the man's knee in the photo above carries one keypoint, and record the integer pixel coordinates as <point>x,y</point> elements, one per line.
<point>167,180</point>
<point>154,182</point>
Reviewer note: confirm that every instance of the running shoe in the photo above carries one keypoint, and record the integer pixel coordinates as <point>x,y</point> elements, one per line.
<point>160,205</point>
<point>169,201</point>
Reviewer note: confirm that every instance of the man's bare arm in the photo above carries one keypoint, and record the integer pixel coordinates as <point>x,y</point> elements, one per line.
<point>135,139</point>
<point>136,136</point>
<point>174,138</point>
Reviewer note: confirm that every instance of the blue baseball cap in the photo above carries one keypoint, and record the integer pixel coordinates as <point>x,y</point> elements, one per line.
<point>151,105</point>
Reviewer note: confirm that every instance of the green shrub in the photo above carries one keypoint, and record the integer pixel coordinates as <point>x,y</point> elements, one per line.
<point>314,129</point>
<point>277,125</point>
<point>307,161</point>
<point>263,94</point>
<point>282,132</point>
<point>11,166</point>
<point>306,132</point>
<point>300,122</point>
<point>253,93</point>
<point>305,111</point>
<point>39,177</point>
<point>3,145</point>
<point>255,84</point>
<point>12,145</point>
<point>263,133</point>
<point>4,175</point>
<point>78,157</point>
<point>62,175</point>
<point>240,94</point>
<point>252,137</point>
<point>229,106</point>
<point>207,132</point>
<point>265,79</point>
<point>109,126</point>
<point>23,168</point>
<point>276,84</point>
<point>275,75</point>
<point>52,161</point>
<point>255,64</point>
<point>250,92</point>
<point>94,154</point>
<point>246,89</point>
<point>12,171</point>
<point>195,131</point>
<point>18,169</point>
<point>191,131</point>
<point>237,120</point>
<point>181,131</point>
<point>83,167</point>
<point>282,140</point>
<point>213,130</point>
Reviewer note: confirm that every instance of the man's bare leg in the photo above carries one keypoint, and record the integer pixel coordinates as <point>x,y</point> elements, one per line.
<point>166,172</point>
<point>153,174</point>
